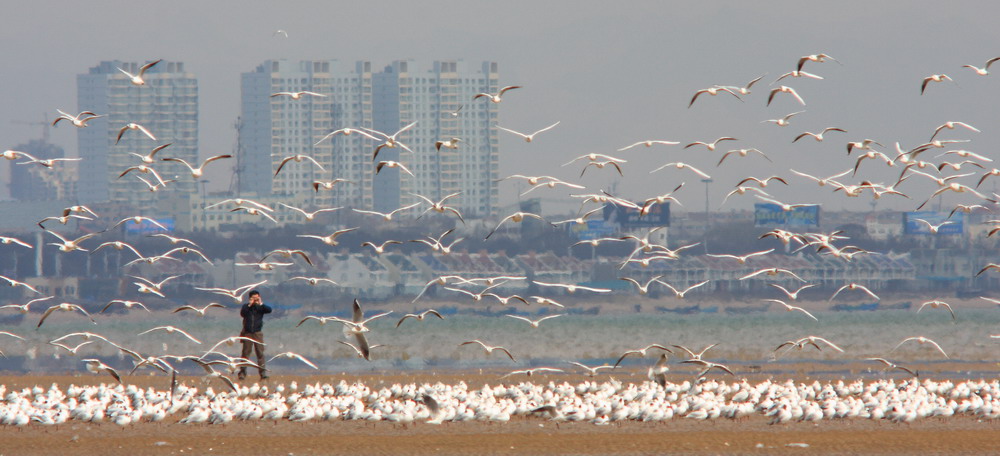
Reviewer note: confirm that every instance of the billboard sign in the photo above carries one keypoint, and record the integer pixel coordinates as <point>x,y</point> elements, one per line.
<point>628,218</point>
<point>912,223</point>
<point>147,227</point>
<point>767,214</point>
<point>593,229</point>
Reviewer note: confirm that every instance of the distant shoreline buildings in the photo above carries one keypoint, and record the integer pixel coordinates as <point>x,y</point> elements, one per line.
<point>167,105</point>
<point>439,100</point>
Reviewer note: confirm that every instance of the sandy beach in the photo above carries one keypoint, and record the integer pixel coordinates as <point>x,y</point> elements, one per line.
<point>956,435</point>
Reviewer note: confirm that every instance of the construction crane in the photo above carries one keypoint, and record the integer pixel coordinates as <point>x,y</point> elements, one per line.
<point>45,126</point>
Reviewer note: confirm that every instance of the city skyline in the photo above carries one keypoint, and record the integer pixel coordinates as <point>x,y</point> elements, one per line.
<point>426,98</point>
<point>166,106</point>
<point>639,89</point>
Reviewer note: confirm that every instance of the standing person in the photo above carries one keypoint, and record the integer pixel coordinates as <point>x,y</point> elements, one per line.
<point>253,324</point>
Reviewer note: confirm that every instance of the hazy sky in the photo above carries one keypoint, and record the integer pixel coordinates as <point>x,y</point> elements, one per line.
<point>611,75</point>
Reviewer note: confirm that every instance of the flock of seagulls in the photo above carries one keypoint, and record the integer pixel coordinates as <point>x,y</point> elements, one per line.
<point>598,402</point>
<point>594,402</point>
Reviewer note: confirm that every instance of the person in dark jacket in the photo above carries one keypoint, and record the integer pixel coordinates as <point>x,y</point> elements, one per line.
<point>253,324</point>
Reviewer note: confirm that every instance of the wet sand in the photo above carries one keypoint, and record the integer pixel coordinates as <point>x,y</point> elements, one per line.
<point>960,435</point>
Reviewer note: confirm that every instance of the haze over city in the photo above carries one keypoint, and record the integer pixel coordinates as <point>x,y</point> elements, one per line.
<point>611,76</point>
<point>517,218</point>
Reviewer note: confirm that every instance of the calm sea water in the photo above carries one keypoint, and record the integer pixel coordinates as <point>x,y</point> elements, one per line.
<point>744,340</point>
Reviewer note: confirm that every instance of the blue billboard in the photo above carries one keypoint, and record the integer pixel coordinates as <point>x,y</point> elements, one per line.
<point>594,229</point>
<point>628,218</point>
<point>921,222</point>
<point>147,227</point>
<point>767,214</point>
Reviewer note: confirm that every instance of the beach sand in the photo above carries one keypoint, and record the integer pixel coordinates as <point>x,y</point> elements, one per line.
<point>959,435</point>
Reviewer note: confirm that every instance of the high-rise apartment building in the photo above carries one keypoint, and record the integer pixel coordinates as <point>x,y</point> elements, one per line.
<point>38,183</point>
<point>273,128</point>
<point>439,100</point>
<point>167,105</point>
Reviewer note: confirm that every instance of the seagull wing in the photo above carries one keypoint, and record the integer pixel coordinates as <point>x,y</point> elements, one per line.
<point>831,344</point>
<point>512,131</point>
<point>802,310</point>
<point>145,131</point>
<point>522,318</point>
<point>363,347</point>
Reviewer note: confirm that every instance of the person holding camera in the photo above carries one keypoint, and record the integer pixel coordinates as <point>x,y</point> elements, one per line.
<point>253,324</point>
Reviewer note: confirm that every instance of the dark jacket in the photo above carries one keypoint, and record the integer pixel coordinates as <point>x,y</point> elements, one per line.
<point>253,317</point>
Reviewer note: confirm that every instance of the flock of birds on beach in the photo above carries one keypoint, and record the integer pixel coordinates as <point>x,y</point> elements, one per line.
<point>598,402</point>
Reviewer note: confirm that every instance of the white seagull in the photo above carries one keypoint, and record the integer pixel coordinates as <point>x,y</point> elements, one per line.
<point>392,164</point>
<point>149,158</point>
<point>531,137</point>
<point>793,295</point>
<point>419,316</point>
<point>134,126</point>
<point>298,158</point>
<point>380,248</point>
<point>643,288</point>
<point>15,283</point>
<point>489,348</point>
<point>713,91</point>
<point>784,121</point>
<point>933,78</point>
<point>314,280</point>
<point>796,74</point>
<point>199,171</point>
<point>934,228</point>
<point>199,311</point>
<point>65,307</point>
<point>516,217</point>
<point>790,308</point>
<point>649,143</point>
<point>310,216</point>
<point>291,355</point>
<point>171,330</point>
<point>935,304</point>
<point>387,216</point>
<point>136,79</point>
<point>741,259</point>
<point>814,58</point>
<point>985,70</point>
<point>745,90</point>
<point>331,239</point>
<point>742,153</point>
<point>127,304</point>
<point>712,145</point>
<point>26,307</point>
<point>346,132</point>
<point>771,272</point>
<point>297,95</point>
<point>679,294</point>
<point>921,340</point>
<point>785,89</point>
<point>534,323</point>
<point>641,352</point>
<point>950,125</point>
<point>571,288</point>
<point>855,286</point>
<point>391,141</point>
<point>785,207</point>
<point>681,165</point>
<point>495,98</point>
<point>68,245</point>
<point>818,136</point>
<point>78,121</point>
<point>439,206</point>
